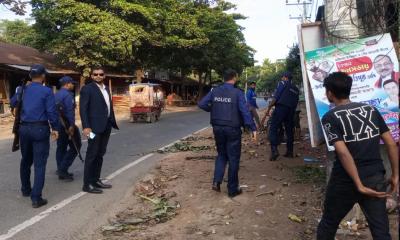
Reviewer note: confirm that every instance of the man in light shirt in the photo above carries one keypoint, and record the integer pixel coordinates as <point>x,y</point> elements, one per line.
<point>384,66</point>
<point>97,116</point>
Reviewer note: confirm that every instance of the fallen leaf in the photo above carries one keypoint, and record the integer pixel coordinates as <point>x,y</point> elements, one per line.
<point>295,218</point>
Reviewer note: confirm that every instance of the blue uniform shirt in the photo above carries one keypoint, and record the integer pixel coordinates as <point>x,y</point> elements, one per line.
<point>205,104</point>
<point>252,98</point>
<point>38,105</point>
<point>14,99</point>
<point>65,98</point>
<point>279,90</point>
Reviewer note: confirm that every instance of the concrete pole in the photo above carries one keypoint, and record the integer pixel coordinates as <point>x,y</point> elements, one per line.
<point>341,20</point>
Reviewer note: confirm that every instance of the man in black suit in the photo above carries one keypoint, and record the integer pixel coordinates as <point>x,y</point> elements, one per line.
<point>97,116</point>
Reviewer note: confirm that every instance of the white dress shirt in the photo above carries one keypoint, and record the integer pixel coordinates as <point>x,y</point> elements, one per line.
<point>106,97</point>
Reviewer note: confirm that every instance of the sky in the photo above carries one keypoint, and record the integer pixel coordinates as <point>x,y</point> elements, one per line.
<point>268,28</point>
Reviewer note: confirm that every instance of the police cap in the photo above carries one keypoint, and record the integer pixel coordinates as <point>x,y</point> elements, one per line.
<point>66,79</point>
<point>37,70</point>
<point>287,74</point>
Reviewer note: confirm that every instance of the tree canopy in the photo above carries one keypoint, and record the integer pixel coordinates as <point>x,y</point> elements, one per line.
<point>182,35</point>
<point>18,31</point>
<point>269,73</point>
<point>17,6</point>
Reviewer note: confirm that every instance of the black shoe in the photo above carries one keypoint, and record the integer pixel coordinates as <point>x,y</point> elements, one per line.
<point>26,194</point>
<point>289,155</point>
<point>91,189</point>
<point>274,153</point>
<point>216,187</point>
<point>65,177</point>
<point>274,156</point>
<point>100,184</point>
<point>70,174</point>
<point>39,203</point>
<point>234,194</point>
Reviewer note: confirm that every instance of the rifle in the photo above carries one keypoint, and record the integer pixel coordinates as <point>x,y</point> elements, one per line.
<point>66,126</point>
<point>17,119</point>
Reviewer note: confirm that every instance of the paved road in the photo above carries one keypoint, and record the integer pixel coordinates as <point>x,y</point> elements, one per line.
<point>126,145</point>
<point>72,221</point>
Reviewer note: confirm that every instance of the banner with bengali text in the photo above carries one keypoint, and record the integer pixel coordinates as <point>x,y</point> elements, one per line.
<point>374,67</point>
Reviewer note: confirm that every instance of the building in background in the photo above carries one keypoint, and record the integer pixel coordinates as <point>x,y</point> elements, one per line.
<point>15,62</point>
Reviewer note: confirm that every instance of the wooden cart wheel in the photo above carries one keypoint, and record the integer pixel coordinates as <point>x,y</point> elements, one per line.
<point>153,118</point>
<point>132,119</point>
<point>150,118</point>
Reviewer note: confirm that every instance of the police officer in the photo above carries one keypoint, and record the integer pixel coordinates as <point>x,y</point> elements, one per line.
<point>285,100</point>
<point>38,110</point>
<point>66,106</point>
<point>229,113</point>
<point>18,91</point>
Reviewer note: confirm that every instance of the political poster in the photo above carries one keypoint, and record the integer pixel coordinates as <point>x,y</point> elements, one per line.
<point>374,67</point>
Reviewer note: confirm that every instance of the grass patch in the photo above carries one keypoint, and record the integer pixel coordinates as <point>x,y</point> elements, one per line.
<point>309,174</point>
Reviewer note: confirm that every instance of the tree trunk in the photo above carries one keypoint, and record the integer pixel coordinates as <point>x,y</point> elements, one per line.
<point>201,86</point>
<point>205,78</point>
<point>82,81</point>
<point>210,77</point>
<point>139,74</point>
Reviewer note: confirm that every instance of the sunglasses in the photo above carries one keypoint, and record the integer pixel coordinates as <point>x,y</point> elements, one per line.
<point>98,74</point>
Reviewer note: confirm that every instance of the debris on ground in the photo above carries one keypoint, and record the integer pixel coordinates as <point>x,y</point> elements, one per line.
<point>310,160</point>
<point>295,218</point>
<point>162,210</point>
<point>202,157</point>
<point>183,147</point>
<point>281,200</point>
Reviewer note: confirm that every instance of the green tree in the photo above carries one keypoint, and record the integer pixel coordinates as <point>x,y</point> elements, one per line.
<point>267,75</point>
<point>127,35</point>
<point>83,34</point>
<point>226,47</point>
<point>17,6</point>
<point>293,64</point>
<point>130,35</point>
<point>19,32</point>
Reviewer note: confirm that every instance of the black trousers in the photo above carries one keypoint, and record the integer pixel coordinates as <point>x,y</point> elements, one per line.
<point>340,199</point>
<point>97,147</point>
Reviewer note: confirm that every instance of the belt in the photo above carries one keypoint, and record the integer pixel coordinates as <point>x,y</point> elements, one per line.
<point>38,123</point>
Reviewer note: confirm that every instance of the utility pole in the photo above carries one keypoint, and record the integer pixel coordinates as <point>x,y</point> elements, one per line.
<point>245,86</point>
<point>303,17</point>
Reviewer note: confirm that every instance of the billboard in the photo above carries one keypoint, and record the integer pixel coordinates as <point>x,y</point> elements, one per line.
<point>374,67</point>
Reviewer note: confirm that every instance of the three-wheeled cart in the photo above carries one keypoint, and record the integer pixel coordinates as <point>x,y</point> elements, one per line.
<point>147,102</point>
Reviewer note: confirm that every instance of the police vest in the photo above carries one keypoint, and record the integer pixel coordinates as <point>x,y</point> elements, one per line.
<point>225,107</point>
<point>290,96</point>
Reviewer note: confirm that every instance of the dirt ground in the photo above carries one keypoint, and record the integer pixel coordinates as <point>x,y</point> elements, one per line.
<point>281,200</point>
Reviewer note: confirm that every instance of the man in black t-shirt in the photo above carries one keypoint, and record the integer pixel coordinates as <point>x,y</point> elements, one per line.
<point>358,175</point>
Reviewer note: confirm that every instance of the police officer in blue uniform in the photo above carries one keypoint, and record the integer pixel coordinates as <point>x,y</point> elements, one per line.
<point>38,111</point>
<point>229,113</point>
<point>66,106</point>
<point>285,100</point>
<point>18,91</point>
